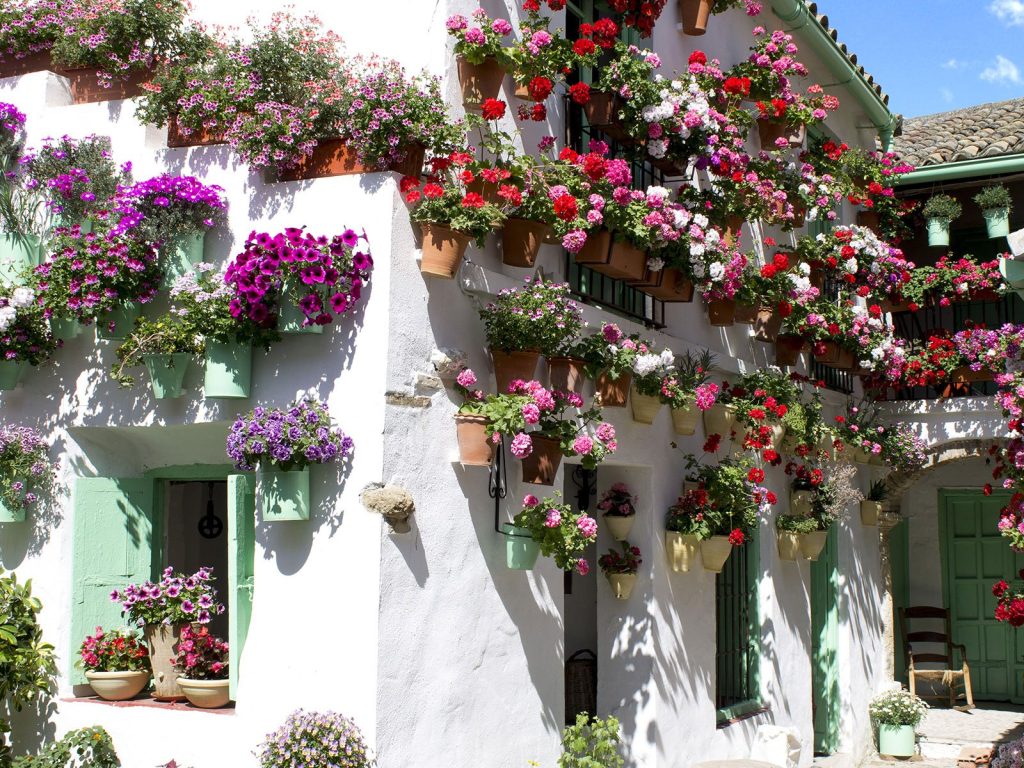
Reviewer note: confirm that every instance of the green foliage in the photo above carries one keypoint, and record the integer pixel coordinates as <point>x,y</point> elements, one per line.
<point>83,748</point>
<point>942,207</point>
<point>796,524</point>
<point>878,491</point>
<point>994,197</point>
<point>22,209</point>
<point>539,316</point>
<point>591,743</point>
<point>27,667</point>
<point>167,335</point>
<point>87,162</point>
<point>204,299</point>
<point>557,528</point>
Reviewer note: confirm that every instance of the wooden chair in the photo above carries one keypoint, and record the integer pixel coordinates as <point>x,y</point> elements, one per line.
<point>945,674</point>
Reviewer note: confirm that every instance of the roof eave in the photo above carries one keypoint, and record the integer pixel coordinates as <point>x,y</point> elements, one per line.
<point>964,169</point>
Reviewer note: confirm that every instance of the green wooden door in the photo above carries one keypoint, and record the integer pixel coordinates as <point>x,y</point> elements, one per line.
<point>824,645</point>
<point>112,547</point>
<point>242,544</point>
<point>975,557</point>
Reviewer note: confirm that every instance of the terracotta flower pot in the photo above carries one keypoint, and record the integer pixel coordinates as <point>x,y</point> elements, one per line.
<point>625,262</point>
<point>767,325</point>
<point>479,81</point>
<point>412,164</point>
<point>682,550</point>
<point>812,544</point>
<point>596,250</point>
<point>161,639</point>
<point>719,419</point>
<point>613,392</point>
<point>86,89</point>
<point>443,249</point>
<point>787,349</point>
<point>488,190</point>
<point>540,466</point>
<point>870,511</point>
<point>721,312</point>
<point>789,545</point>
<point>869,219</point>
<point>645,407</point>
<point>667,284</point>
<point>890,306</point>
<point>799,215</point>
<point>684,420</point>
<point>509,366</point>
<point>714,552</point>
<point>201,137</point>
<point>118,686</point>
<point>33,62</point>
<point>520,242</point>
<point>330,157</point>
<point>770,131</point>
<point>475,449</point>
<point>694,15</point>
<point>619,526</point>
<point>745,313</point>
<point>733,230</point>
<point>566,374</point>
<point>835,356</point>
<point>206,694</point>
<point>602,112</point>
<point>622,584</point>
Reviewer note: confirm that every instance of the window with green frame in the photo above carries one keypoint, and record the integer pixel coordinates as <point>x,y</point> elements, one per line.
<point>737,634</point>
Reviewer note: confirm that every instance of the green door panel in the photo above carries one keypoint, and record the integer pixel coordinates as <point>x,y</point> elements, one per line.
<point>113,545</point>
<point>241,552</point>
<point>824,646</point>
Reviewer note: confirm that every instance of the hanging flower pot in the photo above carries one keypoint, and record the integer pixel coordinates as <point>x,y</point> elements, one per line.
<point>745,313</point>
<point>694,15</point>
<point>801,502</point>
<point>1012,271</point>
<point>118,686</point>
<point>613,392</point>
<point>645,407</point>
<point>86,88</point>
<point>479,82</point>
<point>938,232</point>
<point>870,219</point>
<point>475,449</point>
<point>180,258</point>
<point>870,511</point>
<point>200,137</point>
<point>733,230</point>
<point>789,545</point>
<point>714,552</point>
<point>799,215</point>
<point>540,466</point>
<point>65,328</point>
<point>812,544</point>
<point>602,111</point>
<point>787,349</point>
<point>117,323</point>
<point>443,249</point>
<point>521,551</point>
<point>330,157</point>
<point>520,242</point>
<point>720,419</point>
<point>566,374</point>
<point>18,256</point>
<point>510,366</point>
<point>682,550</point>
<point>684,420</point>
<point>8,515</point>
<point>833,355</point>
<point>228,370</point>
<point>896,740</point>
<point>721,312</point>
<point>205,694</point>
<point>625,262</point>
<point>291,319</point>
<point>767,325</point>
<point>770,131</point>
<point>596,250</point>
<point>622,584</point>
<point>166,373</point>
<point>33,62</point>
<point>619,526</point>
<point>161,639</point>
<point>997,222</point>
<point>284,495</point>
<point>11,372</point>
<point>667,284</point>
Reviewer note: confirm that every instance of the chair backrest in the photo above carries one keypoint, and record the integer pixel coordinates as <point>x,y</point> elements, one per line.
<point>914,638</point>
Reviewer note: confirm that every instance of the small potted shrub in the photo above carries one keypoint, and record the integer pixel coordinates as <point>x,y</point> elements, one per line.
<point>559,531</point>
<point>315,740</point>
<point>939,212</point>
<point>476,448</point>
<point>521,325</point>
<point>649,371</point>
<point>897,713</point>
<point>618,508</point>
<point>995,203</point>
<point>592,741</point>
<point>621,568</point>
<point>686,387</point>
<point>163,609</point>
<point>608,356</point>
<point>871,507</point>
<point>25,337</point>
<point>481,56</point>
<point>26,472</point>
<point>686,525</point>
<point>116,664</point>
<point>202,661</point>
<point>166,346</point>
<point>790,530</point>
<point>282,444</point>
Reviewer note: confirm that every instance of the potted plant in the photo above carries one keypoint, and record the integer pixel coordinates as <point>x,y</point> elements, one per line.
<point>26,472</point>
<point>27,32</point>
<point>694,14</point>
<point>282,444</point>
<point>163,609</point>
<point>608,356</point>
<point>315,740</point>
<point>902,449</point>
<point>790,530</point>
<point>719,286</point>
<point>25,337</point>
<point>649,371</point>
<point>480,54</point>
<point>23,226</point>
<point>116,664</point>
<point>202,661</point>
<point>762,399</point>
<point>802,494</point>
<point>560,532</point>
<point>166,346</point>
<point>618,510</point>
<point>871,507</point>
<point>531,215</point>
<point>173,212</point>
<point>720,418</point>
<point>834,495</point>
<point>476,448</point>
<point>897,713</point>
<point>686,525</point>
<point>621,569</point>
<point>688,386</point>
<point>521,325</point>
<point>940,211</point>
<point>995,203</point>
<point>12,136</point>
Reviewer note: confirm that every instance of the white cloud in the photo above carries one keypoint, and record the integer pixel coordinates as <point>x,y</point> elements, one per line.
<point>1009,11</point>
<point>1003,71</point>
<point>955,64</point>
<point>947,95</point>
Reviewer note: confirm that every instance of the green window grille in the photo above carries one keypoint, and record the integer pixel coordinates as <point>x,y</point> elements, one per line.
<point>737,689</point>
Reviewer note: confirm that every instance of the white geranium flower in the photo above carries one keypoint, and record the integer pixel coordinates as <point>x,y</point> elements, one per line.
<point>22,297</point>
<point>851,266</point>
<point>717,271</point>
<point>655,264</point>
<point>7,315</point>
<point>700,220</point>
<point>644,365</point>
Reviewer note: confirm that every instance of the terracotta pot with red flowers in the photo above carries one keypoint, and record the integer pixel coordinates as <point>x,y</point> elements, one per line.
<point>596,250</point>
<point>603,111</point>
<point>834,355</point>
<point>694,15</point>
<point>529,223</point>
<point>788,347</point>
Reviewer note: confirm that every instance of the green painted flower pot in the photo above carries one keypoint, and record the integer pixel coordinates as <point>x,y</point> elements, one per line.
<point>228,370</point>
<point>166,372</point>
<point>284,495</point>
<point>11,372</point>
<point>938,232</point>
<point>896,740</point>
<point>117,323</point>
<point>291,318</point>
<point>65,328</point>
<point>11,515</point>
<point>521,550</point>
<point>180,258</point>
<point>18,256</point>
<point>997,222</point>
<point>1013,271</point>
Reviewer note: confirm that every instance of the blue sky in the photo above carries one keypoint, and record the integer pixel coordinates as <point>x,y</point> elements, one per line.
<point>935,55</point>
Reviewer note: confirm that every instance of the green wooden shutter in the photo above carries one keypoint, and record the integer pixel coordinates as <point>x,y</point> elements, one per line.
<point>824,646</point>
<point>113,546</point>
<point>242,545</point>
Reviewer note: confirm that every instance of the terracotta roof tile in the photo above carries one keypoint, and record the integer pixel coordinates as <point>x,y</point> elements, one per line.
<point>985,130</point>
<point>834,34</point>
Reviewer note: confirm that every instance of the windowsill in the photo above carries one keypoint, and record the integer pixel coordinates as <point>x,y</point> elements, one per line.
<point>148,701</point>
<point>737,713</point>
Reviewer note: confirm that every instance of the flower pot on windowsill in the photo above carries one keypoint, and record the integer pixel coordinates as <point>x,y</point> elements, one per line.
<point>602,112</point>
<point>198,137</point>
<point>719,419</point>
<point>443,249</point>
<point>789,545</point>
<point>33,62</point>
<point>667,284</point>
<point>997,222</point>
<point>938,232</point>
<point>694,16</point>
<point>86,89</point>
<point>180,258</point>
<point>622,584</point>
<point>566,374</point>
<point>625,262</point>
<point>117,323</point>
<point>596,250</point>
<point>18,256</point>
<point>11,372</point>
<point>619,526</point>
<point>284,495</point>
<point>721,312</point>
<point>228,370</point>
<point>161,639</point>
<point>291,319</point>
<point>521,240</point>
<point>870,511</point>
<point>812,544</point>
<point>682,550</point>
<point>479,82</point>
<point>521,550</point>
<point>896,740</point>
<point>645,407</point>
<point>510,366</point>
<point>614,392</point>
<point>475,449</point>
<point>684,420</point>
<point>714,552</point>
<point>787,349</point>
<point>540,467</point>
<point>206,694</point>
<point>118,686</point>
<point>166,373</point>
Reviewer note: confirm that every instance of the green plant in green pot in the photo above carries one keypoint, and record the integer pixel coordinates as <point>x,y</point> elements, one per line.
<point>939,212</point>
<point>995,203</point>
<point>166,346</point>
<point>25,337</point>
<point>897,714</point>
<point>23,222</point>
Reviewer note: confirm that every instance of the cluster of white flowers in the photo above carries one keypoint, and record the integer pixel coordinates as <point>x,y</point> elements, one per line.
<point>897,707</point>
<point>20,298</point>
<point>646,364</point>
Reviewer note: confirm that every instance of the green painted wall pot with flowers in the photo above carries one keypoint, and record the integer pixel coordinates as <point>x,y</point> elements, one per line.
<point>178,259</point>
<point>292,320</point>
<point>228,370</point>
<point>166,373</point>
<point>896,740</point>
<point>18,255</point>
<point>11,372</point>
<point>9,515</point>
<point>117,323</point>
<point>284,495</point>
<point>521,551</point>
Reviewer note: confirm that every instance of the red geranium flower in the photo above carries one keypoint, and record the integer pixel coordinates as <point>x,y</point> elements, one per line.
<point>493,109</point>
<point>566,208</point>
<point>473,200</point>
<point>698,57</point>
<point>755,475</point>
<point>580,93</point>
<point>583,47</point>
<point>540,88</point>
<point>736,537</point>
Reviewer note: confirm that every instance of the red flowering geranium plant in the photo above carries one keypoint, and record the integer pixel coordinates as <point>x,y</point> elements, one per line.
<point>762,399</point>
<point>726,501</point>
<point>1010,605</point>
<point>118,650</point>
<point>443,200</point>
<point>200,655</point>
